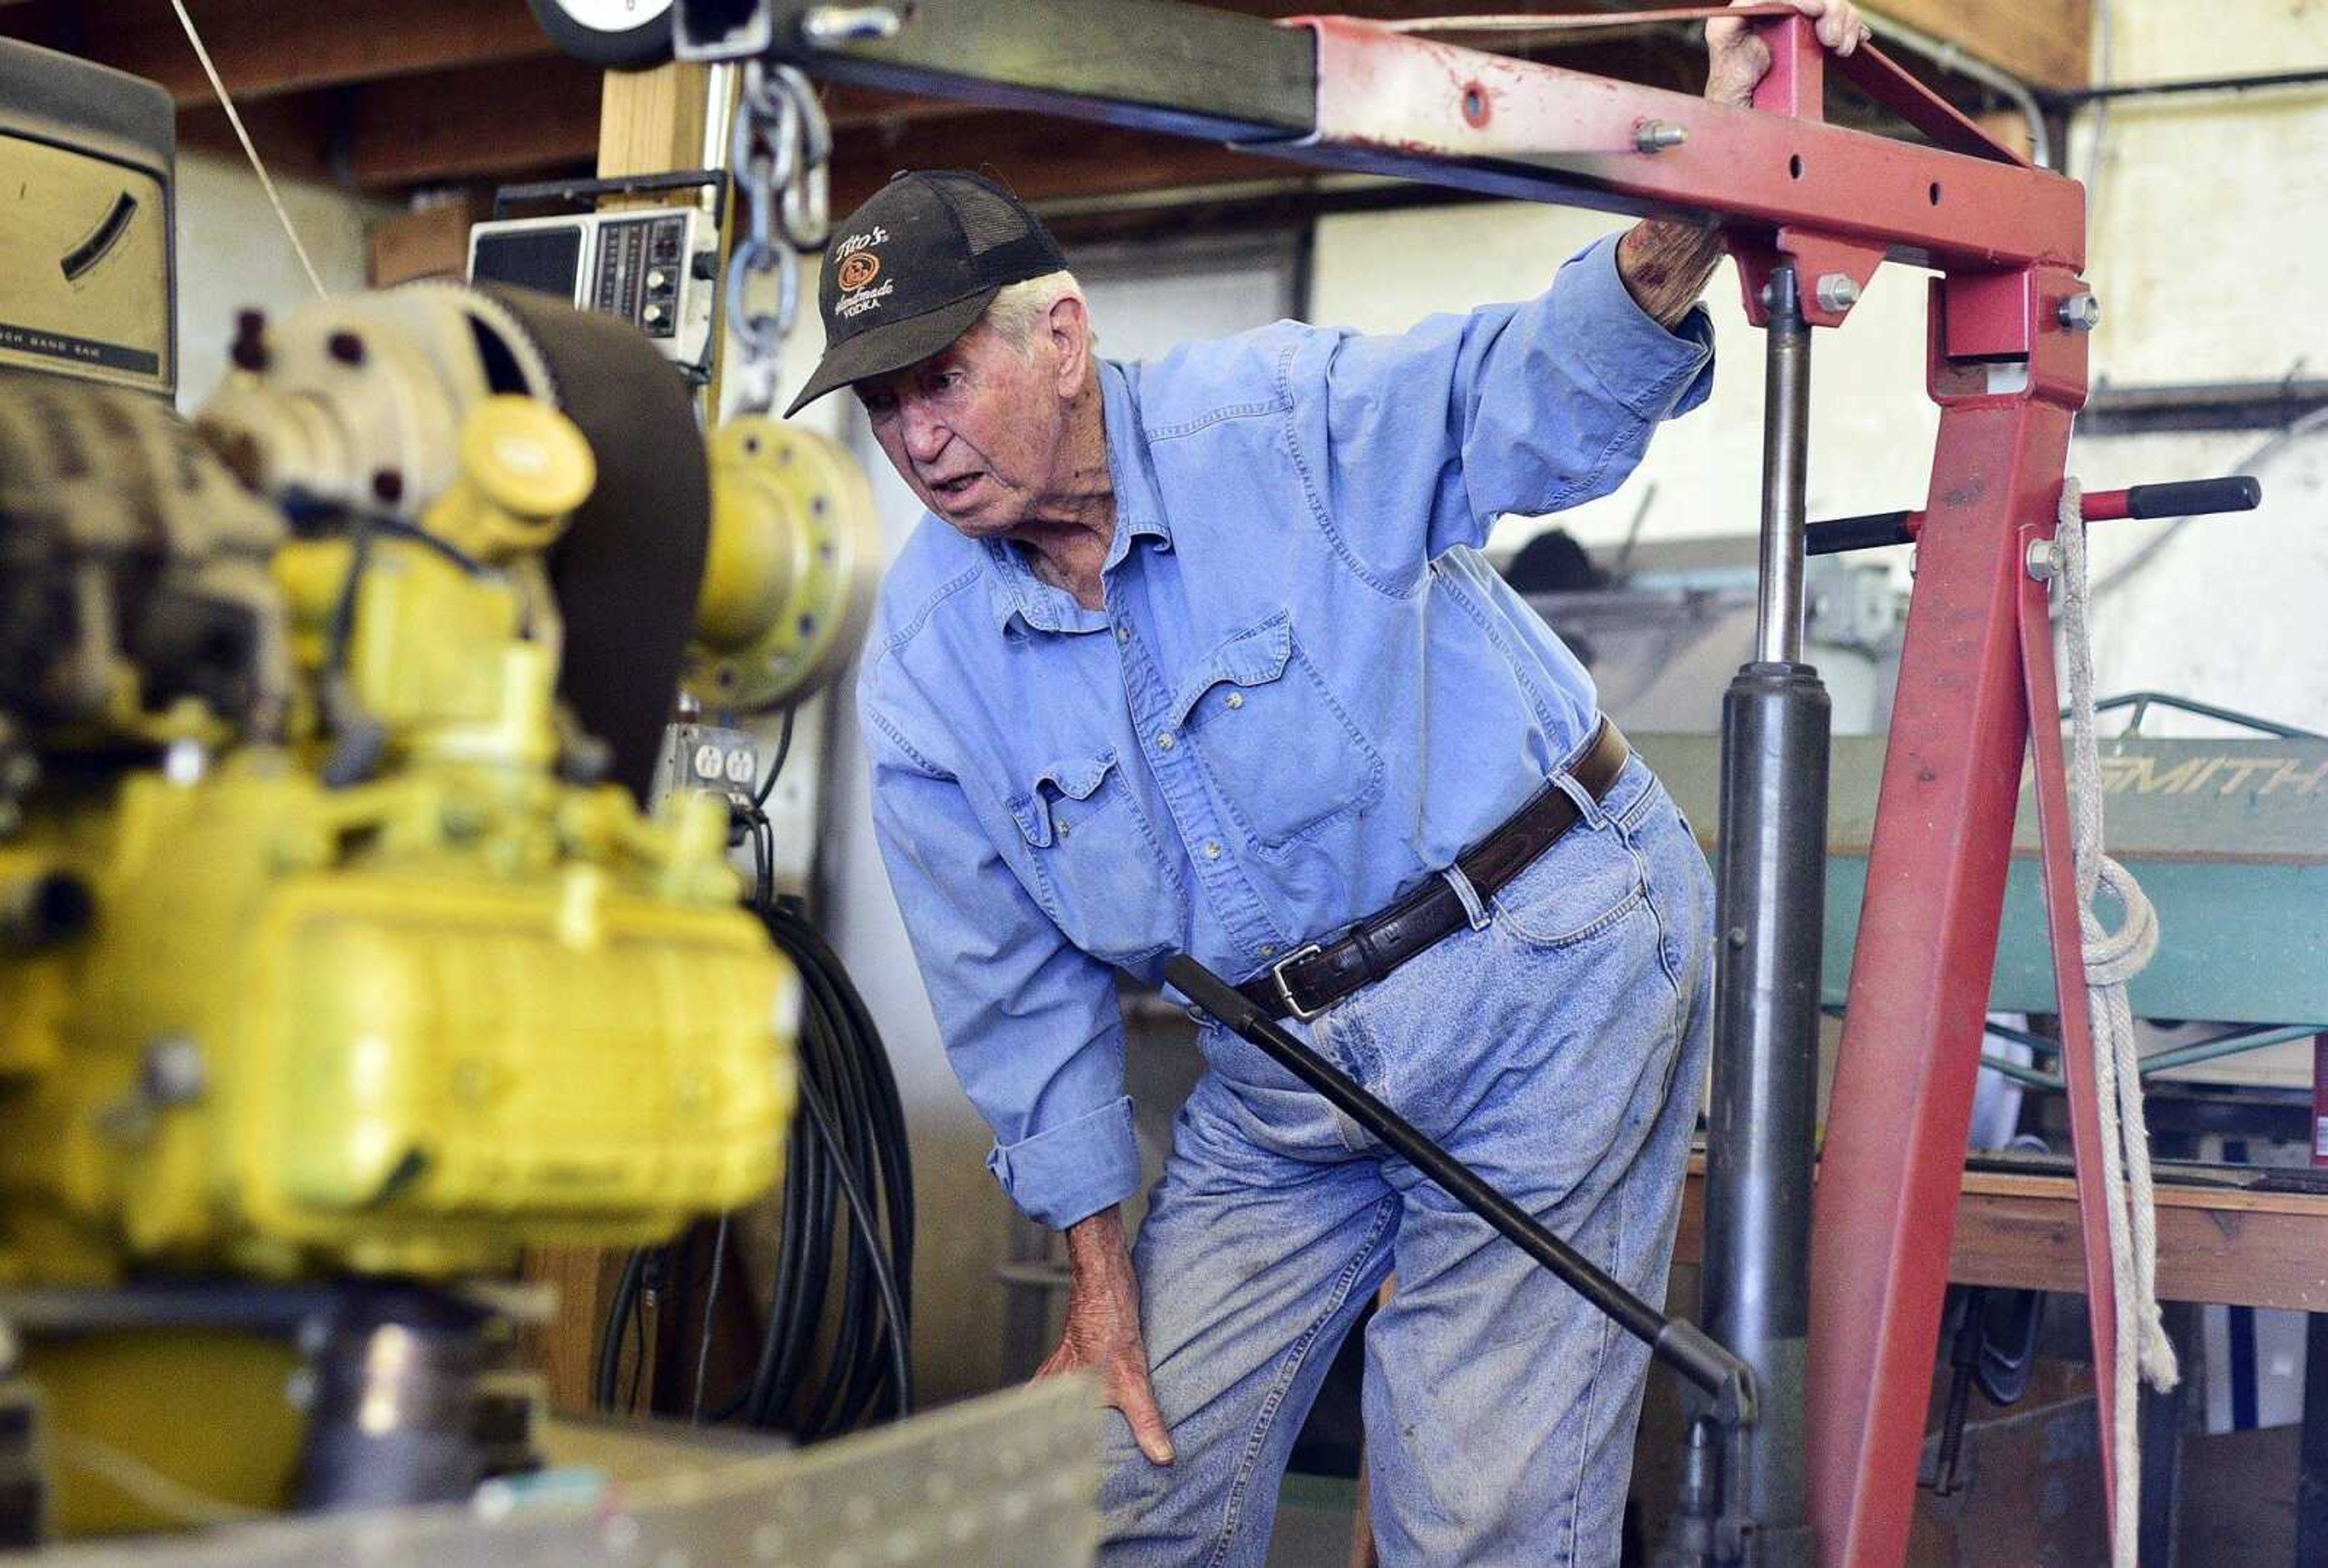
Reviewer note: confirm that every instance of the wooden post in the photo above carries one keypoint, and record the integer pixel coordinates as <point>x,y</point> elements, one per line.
<point>650,122</point>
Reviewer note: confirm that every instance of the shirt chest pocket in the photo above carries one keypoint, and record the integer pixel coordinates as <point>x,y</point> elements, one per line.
<point>1282,753</point>
<point>1098,870</point>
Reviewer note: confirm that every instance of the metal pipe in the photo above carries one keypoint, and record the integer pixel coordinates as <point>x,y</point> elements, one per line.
<point>720,87</point>
<point>1678,1343</point>
<point>2033,1078</point>
<point>1769,913</point>
<point>2249,405</point>
<point>1949,58</point>
<point>2177,498</point>
<point>2237,1045</point>
<point>1786,443</point>
<point>2073,97</point>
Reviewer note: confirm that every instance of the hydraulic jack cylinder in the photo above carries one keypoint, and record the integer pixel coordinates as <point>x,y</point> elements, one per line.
<point>1770,909</point>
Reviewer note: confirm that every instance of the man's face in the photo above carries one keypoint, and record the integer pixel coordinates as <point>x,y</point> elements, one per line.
<point>978,430</point>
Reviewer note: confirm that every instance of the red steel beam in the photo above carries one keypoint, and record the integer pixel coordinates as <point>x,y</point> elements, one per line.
<point>1927,946</point>
<point>1395,103</point>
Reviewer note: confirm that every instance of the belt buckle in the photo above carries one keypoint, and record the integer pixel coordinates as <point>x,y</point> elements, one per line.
<point>1285,986</point>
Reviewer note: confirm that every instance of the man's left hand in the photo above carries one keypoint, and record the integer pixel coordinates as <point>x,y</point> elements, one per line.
<point>1736,60</point>
<point>1664,264</point>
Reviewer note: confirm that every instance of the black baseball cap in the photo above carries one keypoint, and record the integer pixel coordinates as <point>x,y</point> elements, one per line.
<point>915,267</point>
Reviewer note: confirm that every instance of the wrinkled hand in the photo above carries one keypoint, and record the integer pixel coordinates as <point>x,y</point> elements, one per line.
<point>1102,1330</point>
<point>1737,60</point>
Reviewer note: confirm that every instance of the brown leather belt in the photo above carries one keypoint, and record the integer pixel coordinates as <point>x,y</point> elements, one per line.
<point>1306,982</point>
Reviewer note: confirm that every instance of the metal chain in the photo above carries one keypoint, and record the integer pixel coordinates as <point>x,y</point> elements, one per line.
<point>779,153</point>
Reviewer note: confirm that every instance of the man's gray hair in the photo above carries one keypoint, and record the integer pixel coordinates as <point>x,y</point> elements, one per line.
<point>1017,313</point>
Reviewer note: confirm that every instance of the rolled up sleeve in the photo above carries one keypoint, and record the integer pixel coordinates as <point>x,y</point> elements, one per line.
<point>1030,1022</point>
<point>1074,1169</point>
<point>1655,372</point>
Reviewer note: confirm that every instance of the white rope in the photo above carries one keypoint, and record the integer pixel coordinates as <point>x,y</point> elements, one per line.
<point>2112,959</point>
<point>248,151</point>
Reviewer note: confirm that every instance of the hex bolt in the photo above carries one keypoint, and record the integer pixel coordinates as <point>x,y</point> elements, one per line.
<point>1837,292</point>
<point>827,25</point>
<point>19,772</point>
<point>345,347</point>
<point>173,1073</point>
<point>185,763</point>
<point>2079,312</point>
<point>1656,136</point>
<point>248,352</point>
<point>2045,559</point>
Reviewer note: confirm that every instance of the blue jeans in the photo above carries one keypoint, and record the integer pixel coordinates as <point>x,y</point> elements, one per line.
<point>1556,1047</point>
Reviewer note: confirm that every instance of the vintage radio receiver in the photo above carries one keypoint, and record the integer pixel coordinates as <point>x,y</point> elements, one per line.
<point>657,268</point>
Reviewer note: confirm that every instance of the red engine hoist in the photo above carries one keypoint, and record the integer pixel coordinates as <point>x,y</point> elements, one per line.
<point>1841,1371</point>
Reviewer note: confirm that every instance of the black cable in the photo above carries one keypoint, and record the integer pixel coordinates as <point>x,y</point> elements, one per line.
<point>835,1350</point>
<point>617,1327</point>
<point>710,1318</point>
<point>861,1212</point>
<point>783,750</point>
<point>884,1106</point>
<point>638,1362</point>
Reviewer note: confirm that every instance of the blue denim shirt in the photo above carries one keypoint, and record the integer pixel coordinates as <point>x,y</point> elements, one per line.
<point>1308,692</point>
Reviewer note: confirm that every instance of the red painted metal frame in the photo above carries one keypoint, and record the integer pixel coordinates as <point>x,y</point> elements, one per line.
<point>1395,103</point>
<point>1977,663</point>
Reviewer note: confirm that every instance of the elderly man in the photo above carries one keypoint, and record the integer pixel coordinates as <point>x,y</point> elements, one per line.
<point>1201,655</point>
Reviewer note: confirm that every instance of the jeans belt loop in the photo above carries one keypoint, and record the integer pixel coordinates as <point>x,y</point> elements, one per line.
<point>1475,909</point>
<point>1588,808</point>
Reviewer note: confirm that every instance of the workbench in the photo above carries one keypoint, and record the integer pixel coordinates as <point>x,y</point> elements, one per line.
<point>2221,1241</point>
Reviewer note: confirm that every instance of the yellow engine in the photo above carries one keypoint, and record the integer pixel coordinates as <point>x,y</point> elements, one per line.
<point>333,934</point>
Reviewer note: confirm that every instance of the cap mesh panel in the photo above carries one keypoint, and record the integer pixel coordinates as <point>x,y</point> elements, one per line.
<point>988,222</point>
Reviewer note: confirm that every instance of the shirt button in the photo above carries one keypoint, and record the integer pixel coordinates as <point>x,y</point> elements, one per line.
<point>1269,950</point>
<point>1065,830</point>
<point>1212,850</point>
<point>1166,740</point>
<point>1236,699</point>
<point>1123,633</point>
